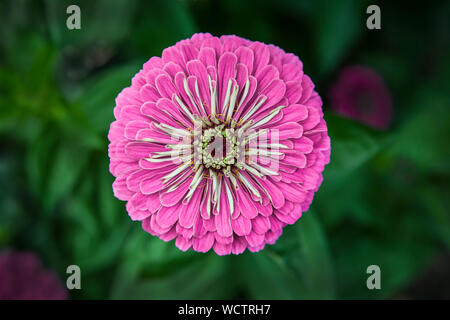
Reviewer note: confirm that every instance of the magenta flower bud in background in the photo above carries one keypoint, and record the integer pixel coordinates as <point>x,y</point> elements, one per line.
<point>218,144</point>
<point>22,277</point>
<point>361,94</point>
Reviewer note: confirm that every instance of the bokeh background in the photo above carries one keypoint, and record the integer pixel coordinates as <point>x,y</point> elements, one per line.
<point>385,195</point>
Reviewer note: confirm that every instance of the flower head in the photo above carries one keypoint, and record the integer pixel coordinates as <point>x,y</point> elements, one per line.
<point>360,94</point>
<point>22,277</point>
<point>220,143</point>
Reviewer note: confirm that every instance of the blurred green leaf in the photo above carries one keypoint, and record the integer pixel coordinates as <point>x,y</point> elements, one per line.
<point>160,24</point>
<point>97,97</point>
<point>37,161</point>
<point>337,24</point>
<point>352,145</point>
<point>69,162</point>
<point>269,276</point>
<point>109,207</point>
<point>438,209</point>
<point>420,138</point>
<point>202,278</point>
<point>315,263</point>
<point>300,270</point>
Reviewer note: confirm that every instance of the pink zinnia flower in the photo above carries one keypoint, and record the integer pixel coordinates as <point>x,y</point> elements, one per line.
<point>361,94</point>
<point>220,143</point>
<point>22,277</point>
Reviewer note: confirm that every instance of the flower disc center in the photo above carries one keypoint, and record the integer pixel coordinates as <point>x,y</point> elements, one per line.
<point>219,148</point>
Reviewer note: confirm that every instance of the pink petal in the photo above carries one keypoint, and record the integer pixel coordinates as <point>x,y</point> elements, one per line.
<point>295,113</point>
<point>297,160</point>
<point>205,243</point>
<point>136,207</point>
<point>140,150</point>
<point>293,91</point>
<point>275,224</point>
<point>191,210</point>
<point>245,56</point>
<point>207,56</point>
<point>276,196</point>
<point>222,249</point>
<point>156,227</point>
<point>246,205</point>
<point>152,110</point>
<point>226,70</point>
<point>167,216</point>
<point>131,113</point>
<point>224,240</point>
<point>260,224</point>
<point>153,203</point>
<point>312,120</point>
<point>171,198</point>
<point>169,107</point>
<point>303,144</point>
<point>198,69</point>
<point>223,219</point>
<point>241,226</point>
<point>265,210</point>
<point>266,75</point>
<point>274,92</point>
<point>182,243</point>
<point>151,185</point>
<point>289,130</point>
<point>261,56</point>
<point>173,54</point>
<point>272,236</point>
<point>255,239</point>
<point>238,246</point>
<point>133,127</point>
<point>149,93</point>
<point>120,188</point>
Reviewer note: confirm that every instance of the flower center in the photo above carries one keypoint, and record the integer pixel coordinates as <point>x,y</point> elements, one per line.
<point>219,148</point>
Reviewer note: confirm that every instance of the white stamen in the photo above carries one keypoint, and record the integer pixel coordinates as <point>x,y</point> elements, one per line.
<point>173,131</point>
<point>255,107</point>
<point>264,170</point>
<point>176,171</point>
<point>273,146</point>
<point>208,204</point>
<point>157,158</point>
<point>176,183</point>
<point>213,92</point>
<point>249,185</point>
<point>232,102</point>
<point>185,109</point>
<point>179,146</point>
<point>234,181</point>
<point>269,117</point>
<point>195,182</point>
<point>244,94</point>
<point>149,140</point>
<point>230,198</point>
<point>227,98</point>
<point>252,170</point>
<point>263,152</point>
<point>256,134</point>
<point>190,95</point>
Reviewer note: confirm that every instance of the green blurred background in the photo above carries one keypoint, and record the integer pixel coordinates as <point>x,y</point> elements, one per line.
<point>385,195</point>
